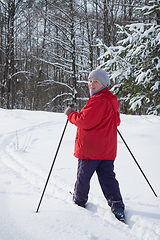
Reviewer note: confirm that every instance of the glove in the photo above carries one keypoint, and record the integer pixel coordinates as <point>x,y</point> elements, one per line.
<point>68,110</point>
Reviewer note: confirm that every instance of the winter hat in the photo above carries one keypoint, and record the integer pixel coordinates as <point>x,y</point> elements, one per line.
<point>101,75</point>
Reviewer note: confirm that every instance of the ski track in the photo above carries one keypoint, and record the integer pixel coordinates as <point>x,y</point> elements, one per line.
<point>29,172</point>
<point>35,178</point>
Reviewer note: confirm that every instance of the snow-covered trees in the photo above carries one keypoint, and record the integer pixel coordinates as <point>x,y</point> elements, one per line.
<point>134,65</point>
<point>9,12</point>
<point>48,47</point>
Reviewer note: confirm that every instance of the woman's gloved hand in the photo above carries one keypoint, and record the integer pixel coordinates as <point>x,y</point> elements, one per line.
<point>68,110</point>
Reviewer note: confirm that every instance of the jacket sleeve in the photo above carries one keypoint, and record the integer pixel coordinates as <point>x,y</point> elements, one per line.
<point>90,115</point>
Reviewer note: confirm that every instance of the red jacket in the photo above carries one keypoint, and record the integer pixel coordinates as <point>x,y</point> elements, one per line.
<point>97,122</point>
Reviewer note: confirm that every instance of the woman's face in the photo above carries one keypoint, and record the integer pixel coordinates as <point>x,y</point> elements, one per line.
<point>94,84</point>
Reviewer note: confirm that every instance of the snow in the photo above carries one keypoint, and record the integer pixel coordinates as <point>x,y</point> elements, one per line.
<point>28,142</point>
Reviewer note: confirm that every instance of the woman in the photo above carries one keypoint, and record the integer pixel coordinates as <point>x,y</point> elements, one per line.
<point>96,143</point>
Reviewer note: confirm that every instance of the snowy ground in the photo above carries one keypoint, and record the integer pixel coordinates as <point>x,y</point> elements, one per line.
<point>28,142</point>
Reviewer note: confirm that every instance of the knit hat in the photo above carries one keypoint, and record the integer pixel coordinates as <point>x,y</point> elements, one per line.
<point>101,75</point>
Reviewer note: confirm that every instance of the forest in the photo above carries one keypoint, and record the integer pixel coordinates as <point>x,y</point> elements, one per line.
<point>48,48</point>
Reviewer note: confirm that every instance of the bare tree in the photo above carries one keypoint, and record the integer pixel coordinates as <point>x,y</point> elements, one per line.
<point>48,47</point>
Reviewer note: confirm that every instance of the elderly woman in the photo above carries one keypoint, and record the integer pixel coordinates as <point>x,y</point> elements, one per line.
<point>96,143</point>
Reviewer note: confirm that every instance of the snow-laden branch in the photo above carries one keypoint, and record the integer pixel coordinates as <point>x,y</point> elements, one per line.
<point>60,95</point>
<point>17,73</point>
<point>56,64</point>
<point>60,83</point>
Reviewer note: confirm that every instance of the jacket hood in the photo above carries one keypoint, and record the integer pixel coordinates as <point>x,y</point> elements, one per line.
<point>111,97</point>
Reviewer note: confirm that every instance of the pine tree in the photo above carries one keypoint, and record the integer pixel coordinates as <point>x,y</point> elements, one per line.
<point>134,65</point>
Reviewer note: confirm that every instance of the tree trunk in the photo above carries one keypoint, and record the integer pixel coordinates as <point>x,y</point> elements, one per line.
<point>73,57</point>
<point>89,36</point>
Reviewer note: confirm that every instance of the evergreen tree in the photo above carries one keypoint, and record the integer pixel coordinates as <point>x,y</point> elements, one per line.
<point>134,65</point>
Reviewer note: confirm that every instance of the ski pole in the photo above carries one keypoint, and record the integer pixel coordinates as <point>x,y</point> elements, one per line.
<point>52,166</point>
<point>136,162</point>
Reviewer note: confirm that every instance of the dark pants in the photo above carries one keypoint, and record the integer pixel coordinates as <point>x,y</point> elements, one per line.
<point>107,180</point>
